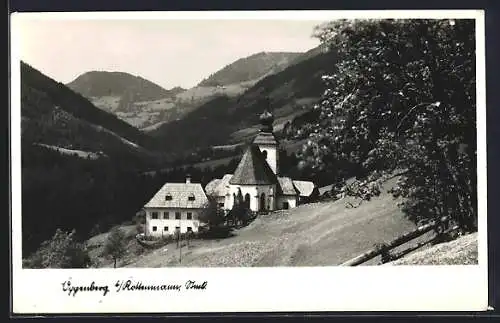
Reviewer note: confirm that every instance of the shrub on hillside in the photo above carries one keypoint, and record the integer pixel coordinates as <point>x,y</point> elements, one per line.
<point>211,214</point>
<point>115,245</point>
<point>62,251</point>
<point>403,97</point>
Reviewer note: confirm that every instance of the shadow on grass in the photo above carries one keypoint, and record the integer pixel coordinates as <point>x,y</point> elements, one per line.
<point>216,233</point>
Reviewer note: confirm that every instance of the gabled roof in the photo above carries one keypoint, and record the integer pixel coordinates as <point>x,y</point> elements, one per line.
<point>253,169</point>
<point>217,187</point>
<point>305,188</point>
<point>286,186</point>
<point>180,193</point>
<point>325,189</point>
<point>265,138</point>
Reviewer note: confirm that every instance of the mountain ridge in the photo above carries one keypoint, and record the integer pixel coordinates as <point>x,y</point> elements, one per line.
<point>290,92</point>
<point>42,95</point>
<point>145,104</point>
<point>107,83</point>
<point>250,68</point>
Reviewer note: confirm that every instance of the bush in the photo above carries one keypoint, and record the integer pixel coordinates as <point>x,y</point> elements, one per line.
<point>218,232</point>
<point>62,251</point>
<point>115,244</point>
<point>139,228</point>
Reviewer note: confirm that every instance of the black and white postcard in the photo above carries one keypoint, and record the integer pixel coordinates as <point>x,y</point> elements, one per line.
<point>248,161</point>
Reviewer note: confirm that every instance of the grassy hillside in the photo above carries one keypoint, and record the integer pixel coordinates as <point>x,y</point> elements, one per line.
<point>462,251</point>
<point>133,99</point>
<point>317,234</point>
<point>151,115</point>
<point>250,68</point>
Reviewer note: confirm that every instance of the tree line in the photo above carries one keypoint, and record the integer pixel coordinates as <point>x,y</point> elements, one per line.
<point>402,99</point>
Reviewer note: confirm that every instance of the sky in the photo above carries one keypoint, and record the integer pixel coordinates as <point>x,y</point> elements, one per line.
<point>168,52</point>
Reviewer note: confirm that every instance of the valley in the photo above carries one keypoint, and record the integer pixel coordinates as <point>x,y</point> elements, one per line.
<point>96,149</point>
<point>147,106</point>
<point>84,130</point>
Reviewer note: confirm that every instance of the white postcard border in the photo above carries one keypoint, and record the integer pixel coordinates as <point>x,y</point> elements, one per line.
<point>364,288</point>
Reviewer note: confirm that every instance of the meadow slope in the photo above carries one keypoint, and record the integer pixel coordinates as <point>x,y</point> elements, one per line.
<point>461,251</point>
<point>316,234</point>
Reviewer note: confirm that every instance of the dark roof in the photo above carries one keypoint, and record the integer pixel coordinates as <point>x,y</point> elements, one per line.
<point>253,169</point>
<point>265,138</point>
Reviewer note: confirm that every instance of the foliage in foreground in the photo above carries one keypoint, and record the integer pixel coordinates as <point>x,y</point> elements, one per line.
<point>403,98</point>
<point>62,251</point>
<point>115,245</point>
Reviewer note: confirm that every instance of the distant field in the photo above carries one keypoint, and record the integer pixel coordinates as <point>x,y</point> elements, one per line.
<point>203,92</point>
<point>213,163</point>
<point>227,147</point>
<point>244,134</point>
<point>108,103</point>
<point>157,105</point>
<point>317,234</point>
<point>73,152</point>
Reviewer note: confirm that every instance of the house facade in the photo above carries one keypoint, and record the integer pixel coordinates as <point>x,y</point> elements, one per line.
<point>176,206</point>
<point>257,177</point>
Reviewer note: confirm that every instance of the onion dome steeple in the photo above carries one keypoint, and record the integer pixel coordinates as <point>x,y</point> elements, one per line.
<point>266,121</point>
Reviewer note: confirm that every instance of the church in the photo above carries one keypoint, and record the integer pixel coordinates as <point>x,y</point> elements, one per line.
<point>257,177</point>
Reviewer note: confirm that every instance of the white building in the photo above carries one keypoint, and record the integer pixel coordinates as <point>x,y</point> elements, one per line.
<point>175,206</point>
<point>257,177</point>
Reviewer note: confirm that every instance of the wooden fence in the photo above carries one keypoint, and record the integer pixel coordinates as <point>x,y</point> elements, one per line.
<point>384,249</point>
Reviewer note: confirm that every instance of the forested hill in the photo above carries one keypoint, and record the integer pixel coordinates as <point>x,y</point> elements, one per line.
<point>250,68</point>
<point>103,83</point>
<point>52,114</point>
<point>288,93</point>
<point>80,164</point>
<point>42,97</point>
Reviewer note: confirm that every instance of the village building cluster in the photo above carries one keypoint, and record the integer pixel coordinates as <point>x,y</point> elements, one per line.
<point>257,179</point>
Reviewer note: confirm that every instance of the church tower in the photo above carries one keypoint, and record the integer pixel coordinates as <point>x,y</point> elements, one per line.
<point>266,141</point>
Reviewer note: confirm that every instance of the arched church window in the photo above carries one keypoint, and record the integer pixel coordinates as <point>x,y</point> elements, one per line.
<point>264,152</point>
<point>247,200</point>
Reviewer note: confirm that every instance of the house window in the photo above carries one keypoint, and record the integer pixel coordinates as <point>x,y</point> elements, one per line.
<point>155,228</point>
<point>189,229</point>
<point>165,215</point>
<point>286,205</point>
<point>189,216</point>
<point>221,205</point>
<point>168,197</point>
<point>177,228</point>
<point>191,197</point>
<point>177,215</point>
<point>154,215</point>
<point>165,229</point>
